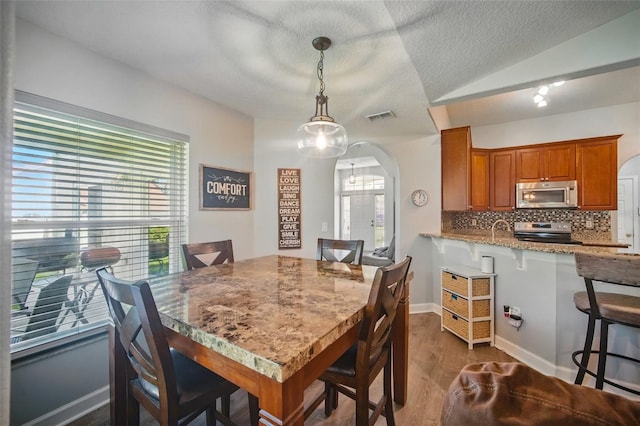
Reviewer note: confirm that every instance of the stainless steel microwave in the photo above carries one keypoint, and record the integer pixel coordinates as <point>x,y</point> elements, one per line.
<point>547,195</point>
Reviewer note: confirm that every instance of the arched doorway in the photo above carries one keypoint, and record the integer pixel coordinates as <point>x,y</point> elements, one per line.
<point>365,188</point>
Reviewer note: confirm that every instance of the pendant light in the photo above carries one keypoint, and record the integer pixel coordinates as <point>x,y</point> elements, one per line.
<point>352,177</point>
<point>321,136</point>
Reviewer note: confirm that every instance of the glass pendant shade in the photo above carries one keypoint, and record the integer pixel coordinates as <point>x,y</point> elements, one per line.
<point>321,136</point>
<point>322,139</point>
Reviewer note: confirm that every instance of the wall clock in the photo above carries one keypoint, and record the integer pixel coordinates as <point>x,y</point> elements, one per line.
<point>419,197</point>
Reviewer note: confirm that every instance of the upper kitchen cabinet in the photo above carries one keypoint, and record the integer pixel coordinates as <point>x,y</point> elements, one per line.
<point>456,168</point>
<point>548,162</point>
<point>502,179</point>
<point>597,173</point>
<point>480,161</point>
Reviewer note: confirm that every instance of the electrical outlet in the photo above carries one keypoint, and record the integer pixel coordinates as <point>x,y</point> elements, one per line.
<point>325,227</point>
<point>474,222</point>
<point>589,224</point>
<point>515,312</point>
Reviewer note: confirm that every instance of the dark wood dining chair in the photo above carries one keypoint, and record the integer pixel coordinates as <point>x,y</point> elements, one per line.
<point>356,369</point>
<point>200,255</point>
<point>334,250</point>
<point>171,387</point>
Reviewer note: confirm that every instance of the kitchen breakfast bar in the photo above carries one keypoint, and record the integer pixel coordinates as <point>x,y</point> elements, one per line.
<point>540,279</point>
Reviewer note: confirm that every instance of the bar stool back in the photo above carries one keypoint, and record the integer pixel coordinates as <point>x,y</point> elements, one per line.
<point>609,308</point>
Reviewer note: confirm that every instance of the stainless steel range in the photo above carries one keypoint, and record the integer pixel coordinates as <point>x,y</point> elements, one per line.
<point>544,232</point>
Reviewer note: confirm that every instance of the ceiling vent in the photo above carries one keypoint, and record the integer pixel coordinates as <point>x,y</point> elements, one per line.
<point>381,115</point>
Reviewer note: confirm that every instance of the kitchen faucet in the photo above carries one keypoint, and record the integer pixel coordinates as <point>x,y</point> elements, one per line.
<point>493,228</point>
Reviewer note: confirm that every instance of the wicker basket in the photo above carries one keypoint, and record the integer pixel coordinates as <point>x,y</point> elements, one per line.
<point>460,306</point>
<point>458,284</point>
<point>455,303</point>
<point>460,326</point>
<point>480,308</point>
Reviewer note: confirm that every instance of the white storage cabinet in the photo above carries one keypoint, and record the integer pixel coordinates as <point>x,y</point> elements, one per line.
<point>467,304</point>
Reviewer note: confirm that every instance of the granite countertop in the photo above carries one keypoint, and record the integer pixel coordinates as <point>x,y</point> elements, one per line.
<point>609,247</point>
<point>272,314</point>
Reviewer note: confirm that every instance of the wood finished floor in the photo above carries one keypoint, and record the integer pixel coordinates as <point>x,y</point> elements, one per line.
<point>435,358</point>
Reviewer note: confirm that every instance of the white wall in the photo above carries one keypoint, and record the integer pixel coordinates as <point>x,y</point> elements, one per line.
<point>49,66</point>
<point>418,163</point>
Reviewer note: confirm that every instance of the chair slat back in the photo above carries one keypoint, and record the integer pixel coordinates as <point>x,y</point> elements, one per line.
<point>200,255</point>
<point>609,268</point>
<point>380,312</point>
<point>334,250</point>
<point>141,333</point>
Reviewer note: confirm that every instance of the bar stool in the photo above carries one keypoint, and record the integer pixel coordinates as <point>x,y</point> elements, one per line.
<point>609,308</point>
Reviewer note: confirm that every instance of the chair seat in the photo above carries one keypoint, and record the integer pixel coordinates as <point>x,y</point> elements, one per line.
<point>345,365</point>
<point>192,380</point>
<point>620,308</point>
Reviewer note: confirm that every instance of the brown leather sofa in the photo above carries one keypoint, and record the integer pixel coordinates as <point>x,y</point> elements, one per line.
<point>514,394</point>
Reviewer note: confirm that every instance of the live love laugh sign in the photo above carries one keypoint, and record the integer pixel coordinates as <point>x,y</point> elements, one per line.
<point>289,217</point>
<point>225,189</point>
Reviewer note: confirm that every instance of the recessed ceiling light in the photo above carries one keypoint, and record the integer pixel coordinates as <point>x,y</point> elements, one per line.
<point>558,83</point>
<point>543,90</point>
<point>538,98</point>
<point>542,103</point>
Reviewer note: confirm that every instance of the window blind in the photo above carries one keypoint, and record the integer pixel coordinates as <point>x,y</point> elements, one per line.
<point>87,193</point>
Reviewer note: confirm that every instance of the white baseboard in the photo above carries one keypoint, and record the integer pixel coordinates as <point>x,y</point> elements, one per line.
<point>534,361</point>
<point>531,359</point>
<point>73,410</point>
<point>424,308</point>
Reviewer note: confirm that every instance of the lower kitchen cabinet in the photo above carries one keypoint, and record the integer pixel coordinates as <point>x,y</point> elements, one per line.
<point>468,304</point>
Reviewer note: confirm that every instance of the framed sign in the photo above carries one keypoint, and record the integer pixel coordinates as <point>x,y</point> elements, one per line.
<point>225,189</point>
<point>289,208</point>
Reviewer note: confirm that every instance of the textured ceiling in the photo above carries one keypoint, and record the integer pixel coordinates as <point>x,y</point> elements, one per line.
<point>256,56</point>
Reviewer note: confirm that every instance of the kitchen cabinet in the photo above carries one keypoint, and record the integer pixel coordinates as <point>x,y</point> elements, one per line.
<point>547,162</point>
<point>467,304</point>
<point>597,173</point>
<point>456,168</point>
<point>480,179</point>
<point>502,179</point>
<point>485,179</point>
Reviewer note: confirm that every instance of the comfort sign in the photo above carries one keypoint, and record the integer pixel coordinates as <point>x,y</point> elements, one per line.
<point>225,189</point>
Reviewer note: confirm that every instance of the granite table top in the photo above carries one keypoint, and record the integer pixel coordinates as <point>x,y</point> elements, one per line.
<point>511,242</point>
<point>272,314</point>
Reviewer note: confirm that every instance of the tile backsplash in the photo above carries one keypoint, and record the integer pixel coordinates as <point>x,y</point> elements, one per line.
<point>480,222</point>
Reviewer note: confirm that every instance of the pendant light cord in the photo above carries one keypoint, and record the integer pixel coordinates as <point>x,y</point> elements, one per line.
<point>320,72</point>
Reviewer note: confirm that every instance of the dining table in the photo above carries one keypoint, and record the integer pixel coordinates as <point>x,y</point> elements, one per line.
<point>271,325</point>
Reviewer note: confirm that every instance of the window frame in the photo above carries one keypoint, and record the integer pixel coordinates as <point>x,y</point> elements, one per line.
<point>175,215</point>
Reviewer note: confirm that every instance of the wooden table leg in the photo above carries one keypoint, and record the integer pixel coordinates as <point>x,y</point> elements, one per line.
<point>282,404</point>
<point>401,349</point>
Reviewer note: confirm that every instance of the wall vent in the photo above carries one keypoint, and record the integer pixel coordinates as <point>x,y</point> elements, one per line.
<point>381,115</point>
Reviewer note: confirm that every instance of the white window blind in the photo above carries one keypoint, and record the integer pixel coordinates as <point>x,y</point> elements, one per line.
<point>88,190</point>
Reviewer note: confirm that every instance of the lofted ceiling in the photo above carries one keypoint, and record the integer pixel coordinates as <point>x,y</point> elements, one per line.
<point>435,64</point>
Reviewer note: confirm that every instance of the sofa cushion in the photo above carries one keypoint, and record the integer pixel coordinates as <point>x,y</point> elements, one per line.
<point>515,394</point>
